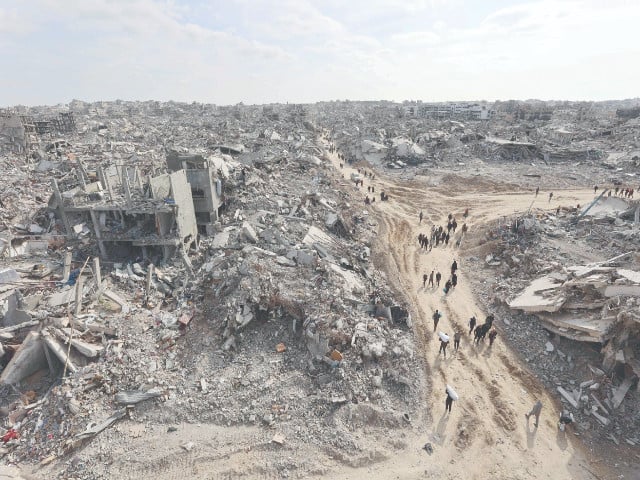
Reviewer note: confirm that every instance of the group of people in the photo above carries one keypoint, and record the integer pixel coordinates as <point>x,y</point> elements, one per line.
<point>439,234</point>
<point>431,278</point>
<point>623,192</point>
<point>435,277</point>
<point>479,332</point>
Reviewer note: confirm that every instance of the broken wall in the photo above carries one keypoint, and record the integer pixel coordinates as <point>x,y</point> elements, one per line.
<point>185,215</point>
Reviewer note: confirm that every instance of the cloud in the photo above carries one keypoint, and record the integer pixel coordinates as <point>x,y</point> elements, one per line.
<point>12,23</point>
<point>416,38</point>
<point>225,51</point>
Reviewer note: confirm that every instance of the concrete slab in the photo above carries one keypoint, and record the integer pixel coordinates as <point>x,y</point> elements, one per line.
<point>28,359</point>
<point>629,274</point>
<point>315,236</point>
<point>595,326</point>
<point>542,295</point>
<point>571,334</point>
<point>61,298</point>
<point>8,275</point>
<point>622,290</point>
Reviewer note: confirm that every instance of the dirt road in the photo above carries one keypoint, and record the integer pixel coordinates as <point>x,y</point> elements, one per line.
<point>486,436</point>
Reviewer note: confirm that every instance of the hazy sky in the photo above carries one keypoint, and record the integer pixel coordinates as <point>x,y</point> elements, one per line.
<point>260,51</point>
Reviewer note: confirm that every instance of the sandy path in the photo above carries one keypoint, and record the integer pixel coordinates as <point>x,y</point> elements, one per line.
<point>486,435</point>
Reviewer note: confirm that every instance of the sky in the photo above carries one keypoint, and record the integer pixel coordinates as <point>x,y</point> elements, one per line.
<point>300,51</point>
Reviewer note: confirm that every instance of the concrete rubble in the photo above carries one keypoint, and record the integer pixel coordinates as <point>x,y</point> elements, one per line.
<point>590,311</point>
<point>162,248</point>
<point>166,262</point>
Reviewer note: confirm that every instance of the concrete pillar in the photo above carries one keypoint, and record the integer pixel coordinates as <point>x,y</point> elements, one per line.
<point>105,182</point>
<point>79,288</point>
<point>125,186</point>
<point>83,171</point>
<point>149,278</point>
<point>139,179</point>
<point>96,228</point>
<point>96,272</point>
<point>67,267</point>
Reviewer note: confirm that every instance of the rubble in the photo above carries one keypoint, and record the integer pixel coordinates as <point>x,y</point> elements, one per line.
<point>177,279</point>
<point>591,304</point>
<point>229,278</point>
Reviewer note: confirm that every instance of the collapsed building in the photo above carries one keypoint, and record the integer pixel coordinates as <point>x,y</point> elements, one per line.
<point>591,309</point>
<point>205,182</point>
<point>99,318</point>
<point>125,213</point>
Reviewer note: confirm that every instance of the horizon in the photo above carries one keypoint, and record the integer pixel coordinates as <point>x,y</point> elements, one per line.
<point>309,51</point>
<point>396,102</point>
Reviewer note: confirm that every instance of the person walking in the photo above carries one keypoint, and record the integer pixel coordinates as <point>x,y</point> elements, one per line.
<point>537,190</point>
<point>424,280</point>
<point>447,286</point>
<point>456,341</point>
<point>492,336</point>
<point>443,346</point>
<point>420,216</point>
<point>537,408</point>
<point>454,267</point>
<point>431,279</point>
<point>454,280</point>
<point>438,277</point>
<point>448,402</point>
<point>436,318</point>
<point>472,324</point>
<point>550,196</point>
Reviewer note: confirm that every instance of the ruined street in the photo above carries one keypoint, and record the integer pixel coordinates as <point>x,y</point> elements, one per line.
<point>240,292</point>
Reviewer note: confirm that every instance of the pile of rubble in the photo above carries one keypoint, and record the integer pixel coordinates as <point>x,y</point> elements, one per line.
<point>589,311</point>
<point>226,280</point>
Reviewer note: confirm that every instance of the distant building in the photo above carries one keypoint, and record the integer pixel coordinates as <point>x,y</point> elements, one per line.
<point>449,110</point>
<point>12,133</point>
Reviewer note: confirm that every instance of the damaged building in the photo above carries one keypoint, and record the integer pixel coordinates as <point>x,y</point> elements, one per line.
<point>129,216</point>
<point>205,182</point>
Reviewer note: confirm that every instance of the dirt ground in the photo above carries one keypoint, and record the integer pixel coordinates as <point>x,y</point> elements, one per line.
<point>486,435</point>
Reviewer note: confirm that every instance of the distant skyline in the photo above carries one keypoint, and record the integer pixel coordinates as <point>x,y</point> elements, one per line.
<point>303,51</point>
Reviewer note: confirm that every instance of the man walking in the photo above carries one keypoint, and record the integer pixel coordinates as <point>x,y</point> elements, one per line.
<point>456,341</point>
<point>438,277</point>
<point>472,324</point>
<point>537,408</point>
<point>424,280</point>
<point>420,216</point>
<point>431,279</point>
<point>454,267</point>
<point>436,319</point>
<point>448,402</point>
<point>492,336</point>
<point>443,346</point>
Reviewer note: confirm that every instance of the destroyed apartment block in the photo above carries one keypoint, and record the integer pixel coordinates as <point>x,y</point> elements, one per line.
<point>127,215</point>
<point>595,303</point>
<point>18,133</point>
<point>38,330</point>
<point>205,182</point>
